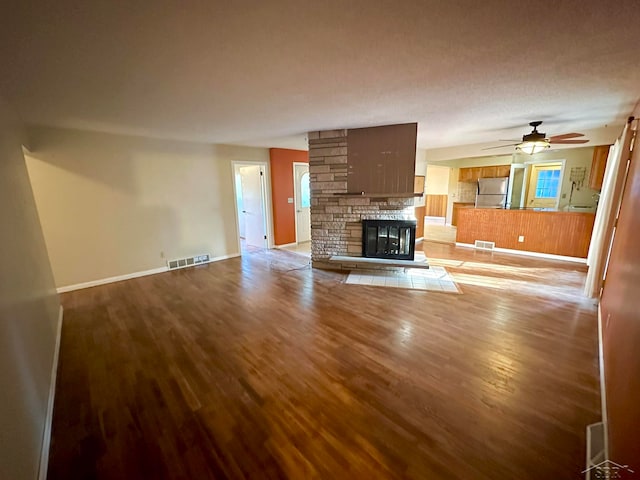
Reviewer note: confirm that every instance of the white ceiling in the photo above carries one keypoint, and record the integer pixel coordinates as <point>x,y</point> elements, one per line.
<point>265,72</point>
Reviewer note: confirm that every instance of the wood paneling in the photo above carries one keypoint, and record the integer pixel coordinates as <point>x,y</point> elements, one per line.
<point>598,165</point>
<point>436,205</point>
<point>382,159</point>
<point>419,212</point>
<point>558,233</point>
<point>259,367</point>
<point>456,208</point>
<point>620,307</point>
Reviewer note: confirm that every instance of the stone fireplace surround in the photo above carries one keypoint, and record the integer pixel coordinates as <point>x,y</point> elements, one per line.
<point>336,220</point>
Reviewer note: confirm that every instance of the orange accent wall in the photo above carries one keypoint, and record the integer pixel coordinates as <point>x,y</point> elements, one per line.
<point>284,223</point>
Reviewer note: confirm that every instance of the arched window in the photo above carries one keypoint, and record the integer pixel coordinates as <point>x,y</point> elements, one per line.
<point>305,191</point>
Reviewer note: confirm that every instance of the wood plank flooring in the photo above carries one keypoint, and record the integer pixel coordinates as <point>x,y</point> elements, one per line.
<point>259,367</point>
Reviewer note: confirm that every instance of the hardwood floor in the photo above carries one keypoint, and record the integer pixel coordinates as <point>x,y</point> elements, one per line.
<point>259,367</point>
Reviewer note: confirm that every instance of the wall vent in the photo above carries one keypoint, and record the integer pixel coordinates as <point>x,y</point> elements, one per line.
<point>189,261</point>
<point>482,245</point>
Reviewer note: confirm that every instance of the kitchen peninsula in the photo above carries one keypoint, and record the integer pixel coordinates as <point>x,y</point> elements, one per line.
<point>533,230</point>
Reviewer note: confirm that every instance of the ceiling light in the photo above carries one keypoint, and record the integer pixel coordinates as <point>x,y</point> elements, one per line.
<point>536,146</point>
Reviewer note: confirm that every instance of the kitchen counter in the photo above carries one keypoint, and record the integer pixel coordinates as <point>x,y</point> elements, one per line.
<point>533,230</point>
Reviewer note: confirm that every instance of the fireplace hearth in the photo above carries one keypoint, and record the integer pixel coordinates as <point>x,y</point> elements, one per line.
<point>395,239</point>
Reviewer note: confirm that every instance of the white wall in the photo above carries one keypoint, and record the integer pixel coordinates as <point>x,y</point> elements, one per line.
<point>112,205</point>
<point>29,308</point>
<point>437,181</point>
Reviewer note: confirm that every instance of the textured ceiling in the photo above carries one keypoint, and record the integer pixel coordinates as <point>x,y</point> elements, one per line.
<point>265,72</point>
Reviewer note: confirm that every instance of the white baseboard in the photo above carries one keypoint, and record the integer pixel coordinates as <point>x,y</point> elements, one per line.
<point>419,239</point>
<point>128,276</point>
<point>118,278</point>
<point>285,245</point>
<point>48,420</point>
<point>526,253</point>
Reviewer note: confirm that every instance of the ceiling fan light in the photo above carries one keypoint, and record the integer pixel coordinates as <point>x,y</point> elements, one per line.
<point>533,147</point>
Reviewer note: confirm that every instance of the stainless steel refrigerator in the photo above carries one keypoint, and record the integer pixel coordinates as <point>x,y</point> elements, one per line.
<point>492,192</point>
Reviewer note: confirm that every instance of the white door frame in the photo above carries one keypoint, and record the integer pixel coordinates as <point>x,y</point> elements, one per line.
<point>266,197</point>
<point>295,196</point>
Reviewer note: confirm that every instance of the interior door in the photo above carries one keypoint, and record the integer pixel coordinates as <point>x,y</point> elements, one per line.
<point>253,205</point>
<point>303,203</point>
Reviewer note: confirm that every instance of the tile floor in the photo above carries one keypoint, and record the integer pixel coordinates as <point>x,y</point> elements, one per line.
<point>303,248</point>
<point>435,279</point>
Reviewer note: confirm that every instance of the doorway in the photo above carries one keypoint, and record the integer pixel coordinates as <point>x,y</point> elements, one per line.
<point>250,198</point>
<point>545,181</point>
<point>302,199</point>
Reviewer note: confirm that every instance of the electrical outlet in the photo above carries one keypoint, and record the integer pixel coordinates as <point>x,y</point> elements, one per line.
<point>521,238</point>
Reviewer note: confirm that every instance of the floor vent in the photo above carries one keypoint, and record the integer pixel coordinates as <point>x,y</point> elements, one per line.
<point>188,262</point>
<point>482,245</point>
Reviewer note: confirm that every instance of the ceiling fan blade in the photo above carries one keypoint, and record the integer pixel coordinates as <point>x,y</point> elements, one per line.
<point>566,136</point>
<point>501,146</point>
<point>567,142</point>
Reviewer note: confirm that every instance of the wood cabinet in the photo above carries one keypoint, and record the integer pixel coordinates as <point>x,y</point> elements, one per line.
<point>489,172</point>
<point>503,171</point>
<point>476,173</point>
<point>382,160</point>
<point>465,175</point>
<point>598,164</point>
<point>472,174</point>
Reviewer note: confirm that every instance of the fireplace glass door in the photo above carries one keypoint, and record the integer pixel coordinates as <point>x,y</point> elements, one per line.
<point>392,239</point>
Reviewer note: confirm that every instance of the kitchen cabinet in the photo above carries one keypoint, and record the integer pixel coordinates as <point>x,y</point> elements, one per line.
<point>472,174</point>
<point>382,160</point>
<point>598,164</point>
<point>464,175</point>
<point>489,172</point>
<point>503,171</point>
<point>476,173</point>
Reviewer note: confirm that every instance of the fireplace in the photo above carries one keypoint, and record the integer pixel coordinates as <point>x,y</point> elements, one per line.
<point>395,239</point>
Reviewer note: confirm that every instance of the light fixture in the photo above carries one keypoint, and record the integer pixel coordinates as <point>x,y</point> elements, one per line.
<point>533,146</point>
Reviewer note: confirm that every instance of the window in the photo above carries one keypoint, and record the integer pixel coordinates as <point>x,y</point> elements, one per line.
<point>305,193</point>
<point>548,183</point>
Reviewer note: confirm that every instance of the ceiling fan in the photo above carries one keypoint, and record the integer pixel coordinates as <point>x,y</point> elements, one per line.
<point>536,142</point>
